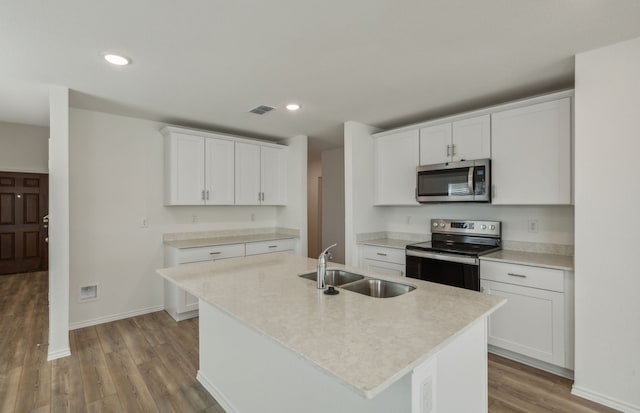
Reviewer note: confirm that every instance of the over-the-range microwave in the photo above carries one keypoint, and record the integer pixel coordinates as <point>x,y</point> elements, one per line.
<point>465,181</point>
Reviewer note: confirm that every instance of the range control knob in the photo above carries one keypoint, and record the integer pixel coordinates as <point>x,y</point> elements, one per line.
<point>442,225</point>
<point>435,225</point>
<point>483,226</point>
<point>492,227</point>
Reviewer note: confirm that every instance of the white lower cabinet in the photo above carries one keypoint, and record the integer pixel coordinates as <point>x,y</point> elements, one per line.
<point>387,261</point>
<point>537,320</point>
<point>180,304</point>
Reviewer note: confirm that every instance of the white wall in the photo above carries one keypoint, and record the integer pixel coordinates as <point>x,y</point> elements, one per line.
<point>116,166</point>
<point>59,223</point>
<point>555,223</point>
<point>313,207</point>
<point>294,215</point>
<point>607,135</point>
<point>360,214</point>
<point>24,148</point>
<point>333,202</point>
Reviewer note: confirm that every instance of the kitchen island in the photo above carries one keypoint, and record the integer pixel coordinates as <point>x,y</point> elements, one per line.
<point>271,341</point>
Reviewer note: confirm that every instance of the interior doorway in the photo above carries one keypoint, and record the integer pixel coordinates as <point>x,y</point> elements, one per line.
<point>24,222</point>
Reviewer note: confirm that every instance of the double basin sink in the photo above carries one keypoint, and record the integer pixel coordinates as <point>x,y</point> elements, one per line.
<point>360,284</point>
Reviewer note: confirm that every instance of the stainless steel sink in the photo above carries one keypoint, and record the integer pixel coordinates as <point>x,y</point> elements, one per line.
<point>335,277</point>
<point>379,288</point>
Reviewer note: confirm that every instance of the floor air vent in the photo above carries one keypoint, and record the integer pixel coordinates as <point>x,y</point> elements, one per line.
<point>261,110</point>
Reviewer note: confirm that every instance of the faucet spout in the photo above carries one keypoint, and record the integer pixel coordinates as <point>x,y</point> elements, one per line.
<point>322,267</point>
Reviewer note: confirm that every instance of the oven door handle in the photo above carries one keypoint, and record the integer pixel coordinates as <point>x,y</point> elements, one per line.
<point>443,257</point>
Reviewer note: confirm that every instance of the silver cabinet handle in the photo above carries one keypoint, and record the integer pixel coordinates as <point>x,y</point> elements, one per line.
<point>263,196</point>
<point>516,275</point>
<point>453,149</point>
<point>215,253</point>
<point>448,150</point>
<point>273,246</point>
<point>207,194</point>
<point>203,194</point>
<point>381,254</point>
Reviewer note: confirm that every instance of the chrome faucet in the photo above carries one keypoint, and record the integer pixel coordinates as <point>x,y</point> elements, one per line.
<point>322,267</point>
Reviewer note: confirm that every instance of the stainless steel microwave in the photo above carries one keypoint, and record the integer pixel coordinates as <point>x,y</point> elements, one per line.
<point>466,181</point>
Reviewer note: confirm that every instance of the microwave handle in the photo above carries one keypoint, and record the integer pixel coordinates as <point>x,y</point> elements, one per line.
<point>470,180</point>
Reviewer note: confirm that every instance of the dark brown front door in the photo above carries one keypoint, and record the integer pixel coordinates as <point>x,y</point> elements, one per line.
<point>23,230</point>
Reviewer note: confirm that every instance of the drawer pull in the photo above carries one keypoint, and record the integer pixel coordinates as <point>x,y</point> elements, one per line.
<point>273,246</point>
<point>215,253</point>
<point>516,275</point>
<point>382,254</point>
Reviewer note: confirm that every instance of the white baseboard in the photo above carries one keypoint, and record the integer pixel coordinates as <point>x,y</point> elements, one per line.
<point>58,354</point>
<point>541,365</point>
<point>114,317</point>
<point>213,391</point>
<point>604,400</point>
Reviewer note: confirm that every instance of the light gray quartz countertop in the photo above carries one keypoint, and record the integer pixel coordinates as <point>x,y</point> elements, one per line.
<point>224,240</point>
<point>388,243</point>
<point>559,262</point>
<point>363,342</point>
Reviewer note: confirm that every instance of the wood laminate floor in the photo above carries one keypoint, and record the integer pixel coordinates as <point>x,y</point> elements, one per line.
<point>148,364</point>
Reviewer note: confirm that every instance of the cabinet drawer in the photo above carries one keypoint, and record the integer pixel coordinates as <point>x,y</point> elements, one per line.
<point>265,247</point>
<point>187,255</point>
<point>393,255</point>
<point>536,277</point>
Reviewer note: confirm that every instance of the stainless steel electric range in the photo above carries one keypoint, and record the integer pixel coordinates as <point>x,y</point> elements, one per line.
<point>452,255</point>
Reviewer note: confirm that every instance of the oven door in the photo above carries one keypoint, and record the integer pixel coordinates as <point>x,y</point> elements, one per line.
<point>455,270</point>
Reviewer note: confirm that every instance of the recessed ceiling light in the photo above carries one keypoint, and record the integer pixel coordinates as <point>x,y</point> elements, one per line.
<point>115,59</point>
<point>293,106</point>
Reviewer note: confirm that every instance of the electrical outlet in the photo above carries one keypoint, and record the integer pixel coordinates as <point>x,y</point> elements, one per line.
<point>533,225</point>
<point>408,219</point>
<point>253,217</point>
<point>194,219</point>
<point>144,222</point>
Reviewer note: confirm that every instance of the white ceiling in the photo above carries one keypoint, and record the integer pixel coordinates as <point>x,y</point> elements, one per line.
<point>205,63</point>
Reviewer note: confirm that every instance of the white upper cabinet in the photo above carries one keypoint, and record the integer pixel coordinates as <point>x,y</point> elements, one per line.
<point>184,169</point>
<point>205,168</point>
<point>219,167</point>
<point>531,154</point>
<point>395,162</point>
<point>247,174</point>
<point>261,174</point>
<point>465,139</point>
<point>273,175</point>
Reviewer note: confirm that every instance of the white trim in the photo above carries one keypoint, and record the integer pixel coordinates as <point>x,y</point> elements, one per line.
<point>25,170</point>
<point>58,354</point>
<point>115,317</point>
<point>604,400</point>
<point>538,364</point>
<point>166,130</point>
<point>215,393</point>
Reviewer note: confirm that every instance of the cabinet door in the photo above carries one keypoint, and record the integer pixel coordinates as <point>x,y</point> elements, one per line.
<point>247,179</point>
<point>471,139</point>
<point>273,175</point>
<point>531,154</point>
<point>219,177</point>
<point>384,268</point>
<point>530,323</point>
<point>184,163</point>
<point>395,162</point>
<point>435,144</point>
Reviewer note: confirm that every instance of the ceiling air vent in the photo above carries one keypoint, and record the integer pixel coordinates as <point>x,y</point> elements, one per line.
<point>261,110</point>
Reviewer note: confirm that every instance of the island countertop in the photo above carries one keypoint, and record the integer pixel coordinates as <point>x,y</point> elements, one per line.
<point>364,342</point>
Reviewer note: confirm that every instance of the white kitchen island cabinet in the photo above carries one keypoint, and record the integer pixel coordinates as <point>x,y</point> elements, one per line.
<point>271,341</point>
<point>531,160</point>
